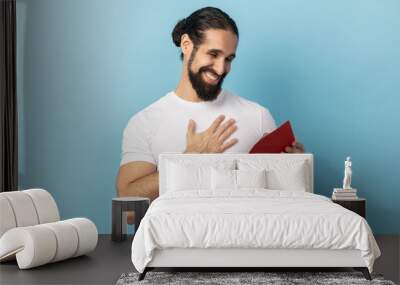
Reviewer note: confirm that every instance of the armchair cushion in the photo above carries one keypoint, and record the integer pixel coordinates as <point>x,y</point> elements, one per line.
<point>31,232</point>
<point>40,244</point>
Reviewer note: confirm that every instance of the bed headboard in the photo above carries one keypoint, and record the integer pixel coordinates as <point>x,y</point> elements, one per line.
<point>214,158</point>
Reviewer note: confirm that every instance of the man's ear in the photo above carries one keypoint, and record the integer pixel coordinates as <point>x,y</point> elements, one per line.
<point>186,45</point>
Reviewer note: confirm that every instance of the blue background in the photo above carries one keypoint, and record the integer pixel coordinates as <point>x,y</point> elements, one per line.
<point>85,67</point>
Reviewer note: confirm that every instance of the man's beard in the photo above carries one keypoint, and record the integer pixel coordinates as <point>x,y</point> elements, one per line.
<point>205,91</point>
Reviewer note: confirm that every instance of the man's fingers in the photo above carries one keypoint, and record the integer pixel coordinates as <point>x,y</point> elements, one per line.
<point>300,146</point>
<point>191,127</point>
<point>216,123</point>
<point>229,144</point>
<point>297,148</point>
<point>221,129</point>
<point>227,133</point>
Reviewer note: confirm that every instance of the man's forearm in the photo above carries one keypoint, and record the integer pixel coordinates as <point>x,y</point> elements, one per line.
<point>146,186</point>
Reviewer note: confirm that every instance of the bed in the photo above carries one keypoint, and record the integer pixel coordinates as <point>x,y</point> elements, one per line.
<point>247,210</point>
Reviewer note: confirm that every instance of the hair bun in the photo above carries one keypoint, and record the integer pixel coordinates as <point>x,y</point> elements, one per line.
<point>178,31</point>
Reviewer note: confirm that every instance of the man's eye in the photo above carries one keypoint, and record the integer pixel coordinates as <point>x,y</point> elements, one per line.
<point>214,55</point>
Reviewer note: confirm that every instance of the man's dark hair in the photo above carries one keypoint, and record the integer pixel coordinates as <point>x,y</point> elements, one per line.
<point>201,20</point>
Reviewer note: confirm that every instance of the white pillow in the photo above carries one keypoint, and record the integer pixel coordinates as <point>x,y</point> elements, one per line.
<point>251,178</point>
<point>281,174</point>
<point>193,174</point>
<point>223,179</point>
<point>288,179</point>
<point>181,177</point>
<point>227,179</point>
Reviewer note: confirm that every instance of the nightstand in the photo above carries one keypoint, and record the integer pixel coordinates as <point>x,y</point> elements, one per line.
<point>358,206</point>
<point>120,207</point>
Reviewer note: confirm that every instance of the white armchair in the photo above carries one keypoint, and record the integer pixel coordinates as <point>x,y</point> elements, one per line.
<point>31,230</point>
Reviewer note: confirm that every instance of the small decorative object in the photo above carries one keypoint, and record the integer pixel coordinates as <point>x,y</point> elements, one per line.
<point>347,192</point>
<point>347,174</point>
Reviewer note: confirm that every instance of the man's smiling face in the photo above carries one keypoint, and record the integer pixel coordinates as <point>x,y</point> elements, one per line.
<point>210,62</point>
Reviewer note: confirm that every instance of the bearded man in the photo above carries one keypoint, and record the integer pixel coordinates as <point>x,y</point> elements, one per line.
<point>198,116</point>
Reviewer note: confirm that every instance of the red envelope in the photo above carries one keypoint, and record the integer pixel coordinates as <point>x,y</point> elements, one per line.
<point>276,141</point>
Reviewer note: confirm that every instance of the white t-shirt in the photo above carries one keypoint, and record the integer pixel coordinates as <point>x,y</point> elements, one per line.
<point>162,126</point>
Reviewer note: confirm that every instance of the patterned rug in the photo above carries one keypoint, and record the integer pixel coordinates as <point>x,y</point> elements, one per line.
<point>269,278</point>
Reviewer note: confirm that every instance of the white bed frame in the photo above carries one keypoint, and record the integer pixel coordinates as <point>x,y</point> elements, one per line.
<point>246,257</point>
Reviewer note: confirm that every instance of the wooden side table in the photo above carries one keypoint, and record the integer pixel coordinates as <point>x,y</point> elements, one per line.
<point>358,206</point>
<point>120,207</point>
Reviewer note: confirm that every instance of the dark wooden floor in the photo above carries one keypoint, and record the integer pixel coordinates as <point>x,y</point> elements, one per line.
<point>103,266</point>
<point>110,260</point>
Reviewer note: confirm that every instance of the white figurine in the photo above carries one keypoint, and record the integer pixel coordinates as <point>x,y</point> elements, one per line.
<point>347,174</point>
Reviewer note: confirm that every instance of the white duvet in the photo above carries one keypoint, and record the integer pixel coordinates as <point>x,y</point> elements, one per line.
<point>250,219</point>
